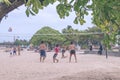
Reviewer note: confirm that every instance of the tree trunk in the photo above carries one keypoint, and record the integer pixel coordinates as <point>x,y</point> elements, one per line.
<point>5,9</point>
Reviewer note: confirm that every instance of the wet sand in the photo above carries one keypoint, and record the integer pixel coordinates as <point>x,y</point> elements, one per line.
<point>27,67</point>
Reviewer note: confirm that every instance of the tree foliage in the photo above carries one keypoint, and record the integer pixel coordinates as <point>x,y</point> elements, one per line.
<point>95,38</point>
<point>106,16</point>
<point>21,42</point>
<point>105,12</point>
<point>48,35</point>
<point>70,34</point>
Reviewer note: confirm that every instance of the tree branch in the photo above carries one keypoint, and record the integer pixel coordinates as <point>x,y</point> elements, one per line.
<point>5,9</point>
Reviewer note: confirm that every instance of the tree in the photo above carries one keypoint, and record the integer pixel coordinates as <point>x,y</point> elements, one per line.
<point>70,34</point>
<point>95,37</point>
<point>7,6</point>
<point>93,29</point>
<point>21,42</point>
<point>105,12</point>
<point>106,17</point>
<point>47,35</point>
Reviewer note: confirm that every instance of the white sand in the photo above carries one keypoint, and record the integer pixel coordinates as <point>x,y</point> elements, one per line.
<point>27,67</point>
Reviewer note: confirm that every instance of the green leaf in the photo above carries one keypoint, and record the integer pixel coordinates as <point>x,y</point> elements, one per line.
<point>27,12</point>
<point>86,13</point>
<point>76,21</point>
<point>34,9</point>
<point>67,14</point>
<point>46,3</point>
<point>52,1</point>
<point>82,21</point>
<point>71,1</point>
<point>28,3</point>
<point>7,2</point>
<point>76,7</point>
<point>32,13</point>
<point>39,4</point>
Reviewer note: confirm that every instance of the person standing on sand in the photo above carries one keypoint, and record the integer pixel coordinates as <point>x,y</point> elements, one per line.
<point>100,49</point>
<point>18,48</point>
<point>14,50</point>
<point>63,51</point>
<point>42,49</point>
<point>72,51</point>
<point>11,51</point>
<point>56,49</point>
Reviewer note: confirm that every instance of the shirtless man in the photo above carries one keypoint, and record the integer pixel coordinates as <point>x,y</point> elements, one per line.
<point>42,49</point>
<point>72,51</point>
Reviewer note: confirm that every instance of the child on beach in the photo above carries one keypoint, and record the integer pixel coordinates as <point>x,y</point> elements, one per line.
<point>63,52</point>
<point>18,48</point>
<point>14,50</point>
<point>56,49</point>
<point>11,51</point>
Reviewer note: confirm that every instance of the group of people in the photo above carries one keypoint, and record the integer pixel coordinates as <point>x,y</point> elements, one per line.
<point>43,48</point>
<point>100,49</point>
<point>14,50</point>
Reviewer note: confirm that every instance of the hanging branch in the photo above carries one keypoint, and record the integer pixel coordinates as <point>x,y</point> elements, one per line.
<point>5,9</point>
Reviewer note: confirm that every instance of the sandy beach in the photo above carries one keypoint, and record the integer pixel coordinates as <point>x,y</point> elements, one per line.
<point>27,67</point>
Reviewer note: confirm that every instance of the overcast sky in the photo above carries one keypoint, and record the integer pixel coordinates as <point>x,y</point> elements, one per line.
<point>25,26</point>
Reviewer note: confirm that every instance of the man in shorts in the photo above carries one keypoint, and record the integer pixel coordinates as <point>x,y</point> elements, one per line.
<point>42,48</point>
<point>72,51</point>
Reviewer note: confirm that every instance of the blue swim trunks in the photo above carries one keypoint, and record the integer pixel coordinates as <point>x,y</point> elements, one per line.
<point>42,53</point>
<point>54,56</point>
